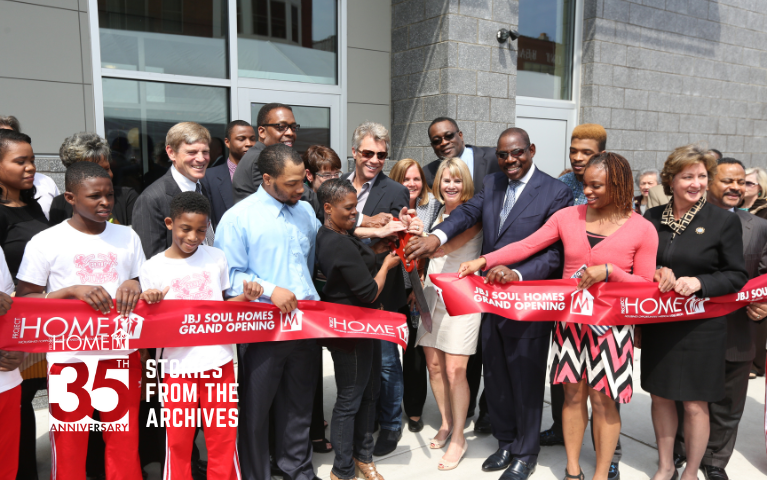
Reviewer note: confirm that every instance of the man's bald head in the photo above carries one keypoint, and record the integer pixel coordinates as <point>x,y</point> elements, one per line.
<point>517,132</point>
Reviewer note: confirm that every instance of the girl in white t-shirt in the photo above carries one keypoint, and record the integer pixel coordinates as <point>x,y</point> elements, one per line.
<point>193,271</point>
<point>89,259</point>
<point>10,387</point>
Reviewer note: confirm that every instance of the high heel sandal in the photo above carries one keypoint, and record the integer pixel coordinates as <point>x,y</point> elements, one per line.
<point>443,465</point>
<point>366,471</point>
<point>580,476</point>
<point>435,444</point>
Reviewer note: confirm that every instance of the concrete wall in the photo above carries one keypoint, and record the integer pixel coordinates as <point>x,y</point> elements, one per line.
<point>446,61</point>
<point>368,75</point>
<point>664,73</point>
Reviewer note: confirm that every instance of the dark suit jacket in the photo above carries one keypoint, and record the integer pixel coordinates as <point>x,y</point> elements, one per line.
<point>149,213</point>
<point>218,187</point>
<point>388,196</point>
<point>740,328</point>
<point>485,163</point>
<point>710,249</point>
<point>247,178</point>
<point>542,197</point>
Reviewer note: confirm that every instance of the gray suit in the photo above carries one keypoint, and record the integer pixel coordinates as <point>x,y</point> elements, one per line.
<point>725,415</point>
<point>247,178</point>
<point>149,213</point>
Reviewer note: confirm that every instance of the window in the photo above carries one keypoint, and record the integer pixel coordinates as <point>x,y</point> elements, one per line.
<point>545,50</point>
<point>180,37</point>
<point>314,121</point>
<point>300,43</point>
<point>138,115</point>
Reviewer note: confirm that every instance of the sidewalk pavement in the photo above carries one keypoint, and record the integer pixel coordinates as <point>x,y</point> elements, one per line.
<point>414,459</point>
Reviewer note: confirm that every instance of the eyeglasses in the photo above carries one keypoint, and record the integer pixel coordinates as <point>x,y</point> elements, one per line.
<point>369,154</point>
<point>281,127</point>
<point>751,184</point>
<point>448,137</point>
<point>328,176</point>
<point>516,153</point>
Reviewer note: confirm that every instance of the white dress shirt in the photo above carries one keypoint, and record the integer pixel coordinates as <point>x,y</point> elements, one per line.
<point>183,183</point>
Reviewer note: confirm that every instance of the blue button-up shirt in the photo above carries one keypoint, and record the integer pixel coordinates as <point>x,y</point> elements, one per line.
<point>468,158</point>
<point>576,187</point>
<point>271,243</point>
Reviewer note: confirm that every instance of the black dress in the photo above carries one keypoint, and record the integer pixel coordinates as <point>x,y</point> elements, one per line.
<point>685,361</point>
<point>122,211</point>
<point>17,226</point>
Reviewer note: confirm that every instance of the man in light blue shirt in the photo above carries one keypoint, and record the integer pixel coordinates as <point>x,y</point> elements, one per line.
<point>269,237</point>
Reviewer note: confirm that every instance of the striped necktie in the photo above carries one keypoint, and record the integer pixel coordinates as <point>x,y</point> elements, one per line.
<point>209,235</point>
<point>508,203</point>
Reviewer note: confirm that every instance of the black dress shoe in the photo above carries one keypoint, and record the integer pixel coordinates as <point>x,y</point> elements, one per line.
<point>714,473</point>
<point>614,473</point>
<point>482,425</point>
<point>550,437</point>
<point>415,425</point>
<point>519,470</point>
<point>679,460</point>
<point>497,461</point>
<point>387,442</point>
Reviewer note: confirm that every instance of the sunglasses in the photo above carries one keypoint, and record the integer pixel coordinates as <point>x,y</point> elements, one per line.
<point>750,184</point>
<point>447,137</point>
<point>370,154</point>
<point>516,153</point>
<point>281,127</point>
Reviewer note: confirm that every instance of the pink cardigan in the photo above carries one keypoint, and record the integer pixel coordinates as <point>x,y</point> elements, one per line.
<point>633,246</point>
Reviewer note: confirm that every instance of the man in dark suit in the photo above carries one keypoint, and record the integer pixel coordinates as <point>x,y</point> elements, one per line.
<point>514,353</point>
<point>379,196</point>
<point>187,147</point>
<point>447,141</point>
<point>240,136</point>
<point>274,124</point>
<point>725,190</point>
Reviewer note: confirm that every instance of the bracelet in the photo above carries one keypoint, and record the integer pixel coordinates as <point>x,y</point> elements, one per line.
<point>607,274</point>
<point>46,295</point>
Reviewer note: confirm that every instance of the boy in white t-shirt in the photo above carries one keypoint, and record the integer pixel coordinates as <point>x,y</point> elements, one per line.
<point>10,387</point>
<point>87,258</point>
<point>193,271</point>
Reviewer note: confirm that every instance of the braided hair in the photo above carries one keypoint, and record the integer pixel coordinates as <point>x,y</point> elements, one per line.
<point>620,180</point>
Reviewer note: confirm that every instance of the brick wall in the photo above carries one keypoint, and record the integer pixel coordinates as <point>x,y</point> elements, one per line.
<point>446,61</point>
<point>664,73</point>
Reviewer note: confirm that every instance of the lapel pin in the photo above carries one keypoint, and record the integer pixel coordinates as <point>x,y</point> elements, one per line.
<point>700,230</point>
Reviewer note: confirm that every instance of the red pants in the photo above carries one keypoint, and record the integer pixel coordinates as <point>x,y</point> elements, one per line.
<point>69,449</point>
<point>220,436</point>
<point>10,418</point>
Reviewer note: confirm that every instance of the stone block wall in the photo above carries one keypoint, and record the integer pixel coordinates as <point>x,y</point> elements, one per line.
<point>659,74</point>
<point>446,61</point>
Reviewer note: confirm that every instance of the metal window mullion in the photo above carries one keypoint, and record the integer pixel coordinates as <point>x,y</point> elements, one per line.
<point>164,77</point>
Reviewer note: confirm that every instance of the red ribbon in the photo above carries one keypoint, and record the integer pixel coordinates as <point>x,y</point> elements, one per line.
<point>602,304</point>
<point>37,325</point>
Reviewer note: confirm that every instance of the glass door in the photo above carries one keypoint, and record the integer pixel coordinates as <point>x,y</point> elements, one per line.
<point>318,114</point>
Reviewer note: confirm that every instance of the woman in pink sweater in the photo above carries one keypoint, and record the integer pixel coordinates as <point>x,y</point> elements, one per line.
<point>604,240</point>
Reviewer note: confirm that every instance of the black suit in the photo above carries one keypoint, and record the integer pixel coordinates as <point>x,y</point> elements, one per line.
<point>725,415</point>
<point>247,178</point>
<point>515,353</point>
<point>485,163</point>
<point>149,213</point>
<point>217,185</point>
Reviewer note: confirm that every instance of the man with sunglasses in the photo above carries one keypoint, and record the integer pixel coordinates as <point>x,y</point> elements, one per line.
<point>377,194</point>
<point>275,124</point>
<point>447,141</point>
<point>514,203</point>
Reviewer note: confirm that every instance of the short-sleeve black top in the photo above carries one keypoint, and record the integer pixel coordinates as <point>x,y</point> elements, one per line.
<point>17,226</point>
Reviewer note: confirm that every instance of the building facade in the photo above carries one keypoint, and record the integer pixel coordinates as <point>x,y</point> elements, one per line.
<point>656,73</point>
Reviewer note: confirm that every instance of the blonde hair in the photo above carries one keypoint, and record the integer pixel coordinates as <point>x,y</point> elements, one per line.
<point>761,179</point>
<point>458,169</point>
<point>682,158</point>
<point>398,172</point>
<point>591,131</point>
<point>186,132</point>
